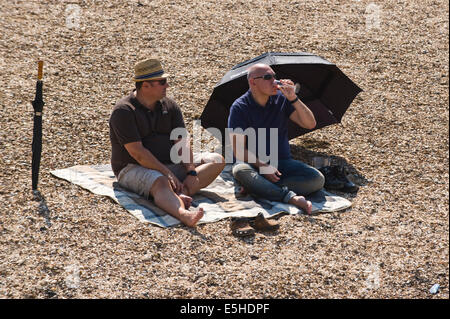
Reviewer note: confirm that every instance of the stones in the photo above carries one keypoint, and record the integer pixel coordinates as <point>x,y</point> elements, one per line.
<point>393,139</point>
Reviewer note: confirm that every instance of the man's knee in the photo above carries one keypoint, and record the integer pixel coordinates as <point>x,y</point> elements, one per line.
<point>207,157</point>
<point>242,167</point>
<point>217,158</point>
<point>160,184</point>
<point>317,181</point>
<point>243,172</point>
<point>213,158</point>
<point>309,183</point>
<point>219,161</point>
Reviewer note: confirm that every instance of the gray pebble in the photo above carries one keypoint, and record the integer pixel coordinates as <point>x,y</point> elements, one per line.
<point>434,289</point>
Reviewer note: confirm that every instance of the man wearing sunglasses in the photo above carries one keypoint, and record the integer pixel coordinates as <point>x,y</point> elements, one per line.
<point>140,129</point>
<point>271,104</point>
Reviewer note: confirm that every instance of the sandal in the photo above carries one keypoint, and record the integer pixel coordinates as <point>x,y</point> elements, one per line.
<point>263,224</point>
<point>241,228</point>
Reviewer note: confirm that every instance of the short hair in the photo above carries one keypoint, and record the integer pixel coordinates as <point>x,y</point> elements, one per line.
<point>139,84</point>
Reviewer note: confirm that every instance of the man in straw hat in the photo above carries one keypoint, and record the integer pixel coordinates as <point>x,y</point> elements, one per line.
<point>140,133</point>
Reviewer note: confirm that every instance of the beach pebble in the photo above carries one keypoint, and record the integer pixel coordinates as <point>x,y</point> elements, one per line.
<point>435,289</point>
<point>393,138</point>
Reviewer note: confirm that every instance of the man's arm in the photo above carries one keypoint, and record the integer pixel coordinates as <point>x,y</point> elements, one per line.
<point>178,122</point>
<point>191,182</point>
<point>236,120</point>
<point>146,159</point>
<point>302,115</point>
<point>186,147</point>
<point>241,152</point>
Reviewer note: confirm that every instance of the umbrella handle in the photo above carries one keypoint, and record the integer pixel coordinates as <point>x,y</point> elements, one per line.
<point>40,68</point>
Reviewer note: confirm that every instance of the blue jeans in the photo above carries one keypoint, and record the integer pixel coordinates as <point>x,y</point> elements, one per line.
<point>296,178</point>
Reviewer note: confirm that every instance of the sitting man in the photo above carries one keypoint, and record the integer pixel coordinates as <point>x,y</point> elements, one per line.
<point>140,128</point>
<point>269,105</point>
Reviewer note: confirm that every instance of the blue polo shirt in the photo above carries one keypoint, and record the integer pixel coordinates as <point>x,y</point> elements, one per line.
<point>246,112</point>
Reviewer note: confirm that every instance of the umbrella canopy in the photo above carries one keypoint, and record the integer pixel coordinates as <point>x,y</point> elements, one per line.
<point>325,89</point>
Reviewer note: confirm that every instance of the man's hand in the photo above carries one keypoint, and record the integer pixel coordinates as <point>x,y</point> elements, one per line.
<point>146,159</point>
<point>190,184</point>
<point>288,89</point>
<point>270,173</point>
<point>177,186</point>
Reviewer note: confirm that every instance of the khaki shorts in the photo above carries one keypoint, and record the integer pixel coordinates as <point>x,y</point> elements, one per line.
<point>139,179</point>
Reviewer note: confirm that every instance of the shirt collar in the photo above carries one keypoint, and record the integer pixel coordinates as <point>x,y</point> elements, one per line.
<point>159,104</point>
<point>256,104</point>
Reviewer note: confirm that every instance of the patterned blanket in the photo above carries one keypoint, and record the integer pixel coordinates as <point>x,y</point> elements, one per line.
<point>221,199</point>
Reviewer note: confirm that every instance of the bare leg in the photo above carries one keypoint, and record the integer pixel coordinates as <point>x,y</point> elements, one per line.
<point>187,200</point>
<point>302,203</point>
<point>166,199</point>
<point>207,172</point>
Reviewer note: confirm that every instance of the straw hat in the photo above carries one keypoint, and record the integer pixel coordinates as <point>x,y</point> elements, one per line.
<point>150,69</point>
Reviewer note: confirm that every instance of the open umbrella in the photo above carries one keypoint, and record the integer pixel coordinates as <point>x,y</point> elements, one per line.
<point>38,105</point>
<point>325,89</point>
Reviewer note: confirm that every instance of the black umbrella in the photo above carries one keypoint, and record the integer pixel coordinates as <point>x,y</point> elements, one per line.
<point>38,105</point>
<point>325,89</point>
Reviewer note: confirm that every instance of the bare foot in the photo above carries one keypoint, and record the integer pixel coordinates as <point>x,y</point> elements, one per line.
<point>189,218</point>
<point>187,200</point>
<point>302,203</point>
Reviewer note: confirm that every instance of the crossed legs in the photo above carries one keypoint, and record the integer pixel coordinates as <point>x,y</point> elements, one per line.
<point>177,205</point>
<point>145,182</point>
<point>297,179</point>
<point>210,167</point>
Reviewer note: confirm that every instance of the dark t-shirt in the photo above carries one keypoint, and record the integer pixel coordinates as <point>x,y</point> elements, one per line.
<point>130,121</point>
<point>246,112</point>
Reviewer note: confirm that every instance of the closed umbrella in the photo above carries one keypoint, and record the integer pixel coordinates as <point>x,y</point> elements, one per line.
<point>38,105</point>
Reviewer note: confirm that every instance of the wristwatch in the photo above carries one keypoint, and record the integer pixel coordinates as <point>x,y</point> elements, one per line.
<point>192,173</point>
<point>294,100</point>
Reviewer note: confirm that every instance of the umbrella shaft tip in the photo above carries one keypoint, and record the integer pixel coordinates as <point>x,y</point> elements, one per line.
<point>40,68</point>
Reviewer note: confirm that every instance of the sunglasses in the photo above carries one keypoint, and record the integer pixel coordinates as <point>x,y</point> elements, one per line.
<point>267,76</point>
<point>161,82</point>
